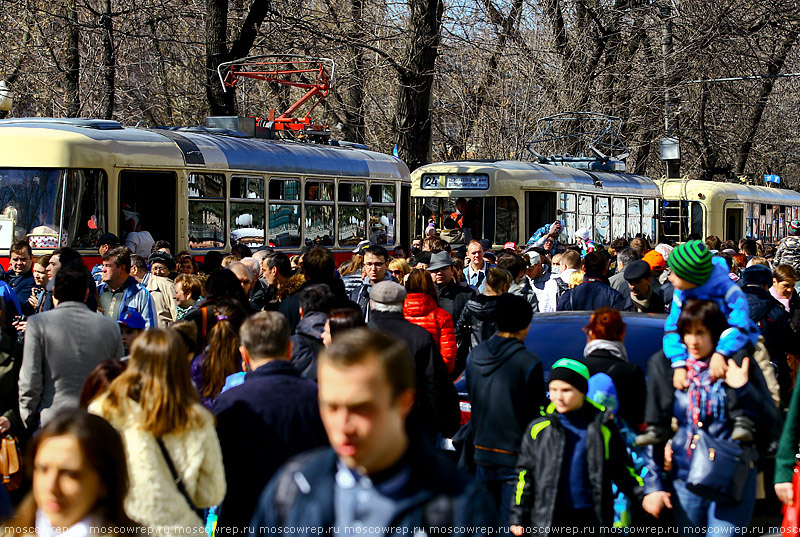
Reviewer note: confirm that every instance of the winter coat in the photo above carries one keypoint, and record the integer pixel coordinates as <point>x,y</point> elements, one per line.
<point>788,252</point>
<point>628,381</point>
<point>540,464</point>
<point>22,285</point>
<point>280,414</point>
<point>162,291</point>
<point>478,319</point>
<point>420,309</point>
<point>620,284</point>
<point>593,293</point>
<point>753,398</point>
<point>656,304</point>
<point>436,407</point>
<point>307,344</point>
<point>301,497</point>
<point>732,303</point>
<point>505,382</point>
<point>525,291</point>
<point>153,498</point>
<point>772,322</point>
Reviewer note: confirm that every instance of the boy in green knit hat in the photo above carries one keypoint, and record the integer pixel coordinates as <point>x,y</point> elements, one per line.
<point>696,274</point>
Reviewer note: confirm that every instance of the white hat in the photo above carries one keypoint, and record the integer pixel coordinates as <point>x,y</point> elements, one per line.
<point>582,233</point>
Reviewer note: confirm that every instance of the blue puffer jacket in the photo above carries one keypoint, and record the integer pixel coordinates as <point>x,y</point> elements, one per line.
<point>753,398</point>
<point>732,303</point>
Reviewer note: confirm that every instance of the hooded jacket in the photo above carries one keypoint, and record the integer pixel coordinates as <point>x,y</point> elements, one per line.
<point>307,343</point>
<point>505,382</point>
<point>628,379</point>
<point>420,309</point>
<point>478,319</point>
<point>540,463</point>
<point>732,303</point>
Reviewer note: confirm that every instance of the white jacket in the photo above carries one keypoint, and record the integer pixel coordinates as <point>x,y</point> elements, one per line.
<point>153,497</point>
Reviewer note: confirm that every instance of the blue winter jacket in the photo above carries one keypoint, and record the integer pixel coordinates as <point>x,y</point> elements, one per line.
<point>732,303</point>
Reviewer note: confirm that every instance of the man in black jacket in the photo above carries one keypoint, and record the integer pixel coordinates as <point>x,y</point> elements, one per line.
<point>436,407</point>
<point>452,298</point>
<point>772,321</point>
<point>315,305</point>
<point>505,382</point>
<point>594,292</point>
<point>264,421</point>
<point>642,297</point>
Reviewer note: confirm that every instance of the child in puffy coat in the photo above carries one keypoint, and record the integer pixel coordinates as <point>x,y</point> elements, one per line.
<point>421,307</point>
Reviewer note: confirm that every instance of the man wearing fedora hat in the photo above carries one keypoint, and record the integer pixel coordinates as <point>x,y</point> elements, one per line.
<point>452,299</point>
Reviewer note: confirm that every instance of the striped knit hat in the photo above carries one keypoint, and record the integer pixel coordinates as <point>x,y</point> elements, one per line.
<point>794,227</point>
<point>691,261</point>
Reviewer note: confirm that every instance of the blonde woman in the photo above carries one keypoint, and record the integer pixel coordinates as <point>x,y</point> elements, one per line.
<point>398,268</point>
<point>575,279</point>
<point>171,444</point>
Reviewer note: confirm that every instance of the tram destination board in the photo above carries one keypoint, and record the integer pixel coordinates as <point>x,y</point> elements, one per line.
<point>456,181</point>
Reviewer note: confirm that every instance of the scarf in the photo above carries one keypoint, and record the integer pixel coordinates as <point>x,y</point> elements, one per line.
<point>706,396</point>
<point>617,348</point>
<point>643,303</point>
<point>784,301</point>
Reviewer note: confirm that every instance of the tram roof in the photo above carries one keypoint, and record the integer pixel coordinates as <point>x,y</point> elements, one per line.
<point>535,176</point>
<point>692,189</point>
<point>89,142</point>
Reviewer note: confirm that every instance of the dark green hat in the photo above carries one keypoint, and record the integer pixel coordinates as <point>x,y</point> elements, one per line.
<point>572,372</point>
<point>691,261</point>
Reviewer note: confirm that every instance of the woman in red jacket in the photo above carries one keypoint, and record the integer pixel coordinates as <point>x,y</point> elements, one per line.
<point>422,308</point>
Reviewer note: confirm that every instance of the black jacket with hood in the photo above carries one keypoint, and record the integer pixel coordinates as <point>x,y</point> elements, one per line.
<point>477,320</point>
<point>505,382</point>
<point>307,343</point>
<point>540,463</point>
<point>628,380</point>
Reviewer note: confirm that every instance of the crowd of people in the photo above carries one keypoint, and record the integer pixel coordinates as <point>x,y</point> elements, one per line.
<point>254,391</point>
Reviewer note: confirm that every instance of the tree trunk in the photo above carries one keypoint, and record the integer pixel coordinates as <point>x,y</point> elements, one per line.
<point>220,103</point>
<point>354,109</point>
<point>109,61</point>
<point>768,84</point>
<point>73,63</point>
<point>412,121</point>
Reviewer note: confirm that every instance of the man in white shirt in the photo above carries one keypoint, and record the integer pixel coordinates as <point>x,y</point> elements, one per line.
<point>558,283</point>
<point>475,271</point>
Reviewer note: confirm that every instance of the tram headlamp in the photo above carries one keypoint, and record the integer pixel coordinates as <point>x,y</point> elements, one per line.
<point>5,97</point>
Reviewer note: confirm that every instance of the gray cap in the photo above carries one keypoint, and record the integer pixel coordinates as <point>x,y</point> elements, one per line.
<point>387,292</point>
<point>439,260</point>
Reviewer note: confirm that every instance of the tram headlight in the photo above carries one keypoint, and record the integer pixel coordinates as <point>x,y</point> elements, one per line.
<point>5,97</point>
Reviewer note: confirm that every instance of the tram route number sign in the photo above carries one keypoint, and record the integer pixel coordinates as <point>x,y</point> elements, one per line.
<point>772,179</point>
<point>455,182</point>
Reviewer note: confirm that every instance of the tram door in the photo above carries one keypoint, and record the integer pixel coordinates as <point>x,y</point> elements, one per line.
<point>734,219</point>
<point>151,195</point>
<point>541,210</point>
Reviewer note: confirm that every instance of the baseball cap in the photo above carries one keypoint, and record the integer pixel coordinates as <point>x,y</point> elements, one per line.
<point>132,319</point>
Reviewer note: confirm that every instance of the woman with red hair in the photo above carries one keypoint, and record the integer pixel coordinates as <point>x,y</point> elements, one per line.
<point>422,308</point>
<point>605,353</point>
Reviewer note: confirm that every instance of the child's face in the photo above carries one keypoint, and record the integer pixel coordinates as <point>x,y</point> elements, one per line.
<point>565,397</point>
<point>679,283</point>
<point>699,342</point>
<point>128,335</point>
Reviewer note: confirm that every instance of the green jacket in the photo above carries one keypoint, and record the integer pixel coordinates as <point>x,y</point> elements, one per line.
<point>788,445</point>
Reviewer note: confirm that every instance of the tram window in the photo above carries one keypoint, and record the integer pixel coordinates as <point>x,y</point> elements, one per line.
<point>207,219</point>
<point>352,220</point>
<point>248,223</point>
<point>29,198</point>
<point>284,189</point>
<point>634,217</point>
<point>617,218</point>
<point>585,212</point>
<point>697,219</point>
<point>319,225</point>
<point>381,225</point>
<point>506,220</point>
<point>84,217</point>
<point>352,192</point>
<point>567,206</point>
<point>247,188</point>
<point>284,224</point>
<point>319,191</point>
<point>602,220</point>
<point>381,193</point>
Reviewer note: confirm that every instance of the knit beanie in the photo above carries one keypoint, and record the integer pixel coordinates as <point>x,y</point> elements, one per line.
<point>572,372</point>
<point>794,227</point>
<point>691,261</point>
<point>512,313</point>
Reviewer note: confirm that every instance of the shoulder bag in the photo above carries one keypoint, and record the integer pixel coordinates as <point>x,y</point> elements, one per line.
<point>719,469</point>
<point>178,480</point>
<point>10,467</point>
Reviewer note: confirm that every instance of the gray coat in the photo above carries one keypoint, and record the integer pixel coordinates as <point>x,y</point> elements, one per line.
<point>62,346</point>
<point>620,285</point>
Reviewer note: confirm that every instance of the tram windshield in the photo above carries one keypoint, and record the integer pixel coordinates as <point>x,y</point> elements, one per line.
<point>52,208</point>
<point>460,220</point>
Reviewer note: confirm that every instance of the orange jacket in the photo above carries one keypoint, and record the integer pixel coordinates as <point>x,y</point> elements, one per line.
<point>420,309</point>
